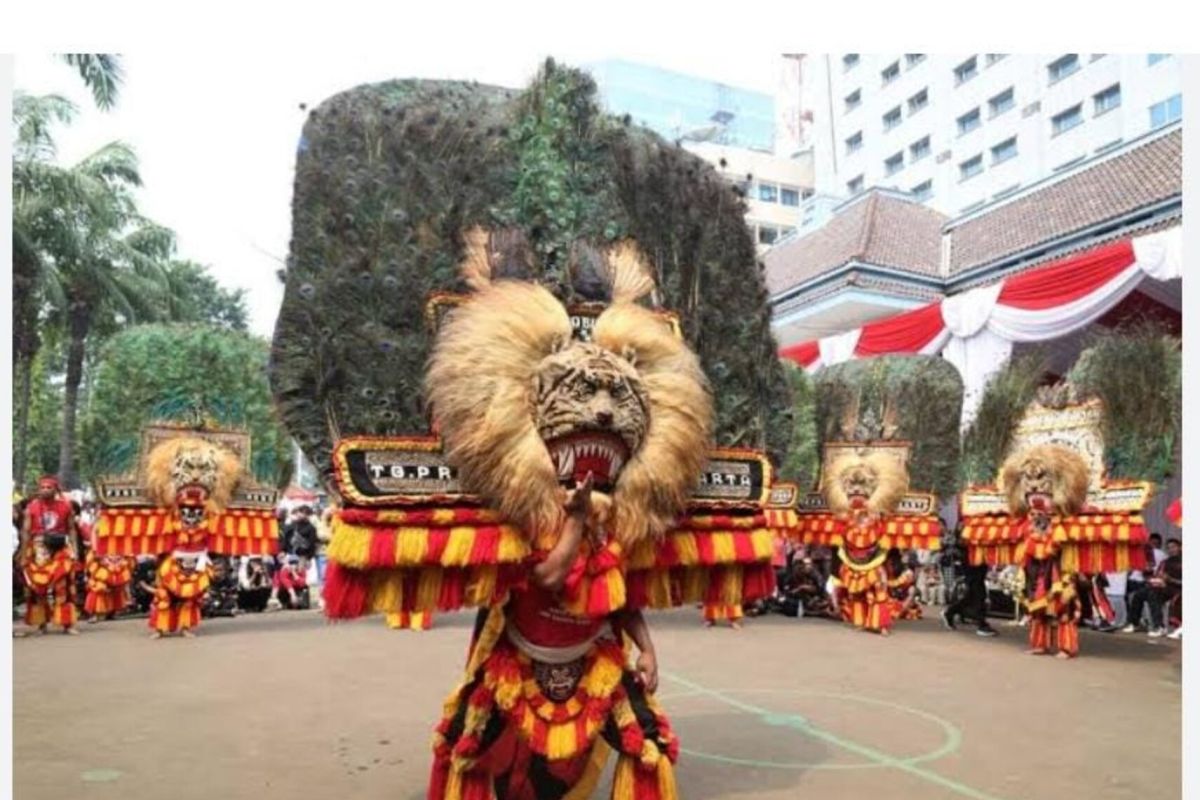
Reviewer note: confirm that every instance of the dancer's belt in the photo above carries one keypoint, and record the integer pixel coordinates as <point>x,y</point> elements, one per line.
<point>553,655</point>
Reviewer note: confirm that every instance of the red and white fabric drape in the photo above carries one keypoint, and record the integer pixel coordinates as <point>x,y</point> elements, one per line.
<point>976,330</point>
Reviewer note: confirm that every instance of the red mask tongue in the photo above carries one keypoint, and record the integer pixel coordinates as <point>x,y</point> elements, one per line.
<point>858,503</point>
<point>1039,503</point>
<point>596,464</point>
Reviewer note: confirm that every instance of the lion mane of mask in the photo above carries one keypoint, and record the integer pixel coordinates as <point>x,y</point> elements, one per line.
<point>874,482</point>
<point>1049,478</point>
<point>525,410</point>
<point>191,467</point>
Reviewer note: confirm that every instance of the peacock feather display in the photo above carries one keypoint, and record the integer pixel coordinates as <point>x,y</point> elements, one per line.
<point>1003,404</point>
<point>1137,372</point>
<point>897,398</point>
<point>390,176</point>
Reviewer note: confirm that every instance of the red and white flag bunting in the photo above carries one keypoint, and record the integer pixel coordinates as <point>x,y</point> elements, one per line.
<point>976,330</point>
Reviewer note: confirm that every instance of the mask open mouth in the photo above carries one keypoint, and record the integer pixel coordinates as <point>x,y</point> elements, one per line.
<point>601,453</point>
<point>1039,501</point>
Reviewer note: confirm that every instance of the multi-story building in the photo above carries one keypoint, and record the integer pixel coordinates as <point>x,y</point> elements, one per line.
<point>733,129</point>
<point>960,131</point>
<point>882,252</point>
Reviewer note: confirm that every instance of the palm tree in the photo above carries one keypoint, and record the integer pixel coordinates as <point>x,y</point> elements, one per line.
<point>119,280</point>
<point>82,254</point>
<point>102,73</point>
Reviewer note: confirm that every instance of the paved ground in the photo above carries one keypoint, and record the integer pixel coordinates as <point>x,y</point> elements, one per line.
<point>283,705</point>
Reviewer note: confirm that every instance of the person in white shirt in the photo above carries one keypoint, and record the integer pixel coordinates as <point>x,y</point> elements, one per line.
<point>1115,590</point>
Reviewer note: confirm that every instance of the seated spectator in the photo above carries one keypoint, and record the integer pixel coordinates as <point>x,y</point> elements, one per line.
<point>222,597</point>
<point>1160,588</point>
<point>254,585</point>
<point>291,584</point>
<point>1172,573</point>
<point>145,577</point>
<point>804,587</point>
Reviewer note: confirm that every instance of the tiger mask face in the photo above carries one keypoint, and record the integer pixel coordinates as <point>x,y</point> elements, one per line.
<point>874,483</point>
<point>524,409</point>
<point>1043,480</point>
<point>591,411</point>
<point>193,475</point>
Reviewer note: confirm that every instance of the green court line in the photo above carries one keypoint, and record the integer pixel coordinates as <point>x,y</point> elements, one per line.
<point>870,753</point>
<point>953,736</point>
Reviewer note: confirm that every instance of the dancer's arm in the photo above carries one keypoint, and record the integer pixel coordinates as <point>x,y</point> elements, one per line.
<point>551,572</point>
<point>647,662</point>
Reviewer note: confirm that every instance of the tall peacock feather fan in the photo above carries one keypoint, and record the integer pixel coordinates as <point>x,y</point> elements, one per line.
<point>897,398</point>
<point>390,177</point>
<point>1003,404</point>
<point>1137,373</point>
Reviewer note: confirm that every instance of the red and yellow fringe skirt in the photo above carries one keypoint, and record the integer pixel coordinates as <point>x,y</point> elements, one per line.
<point>501,733</point>
<point>50,593</point>
<point>865,600</point>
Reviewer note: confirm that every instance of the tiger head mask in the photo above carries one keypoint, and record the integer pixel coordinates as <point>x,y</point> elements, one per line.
<point>524,409</point>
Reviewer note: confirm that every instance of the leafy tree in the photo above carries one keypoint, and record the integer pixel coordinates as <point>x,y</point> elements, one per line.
<point>176,371</point>
<point>195,296</point>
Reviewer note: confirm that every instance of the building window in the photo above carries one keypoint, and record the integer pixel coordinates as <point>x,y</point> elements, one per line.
<point>966,70</point>
<point>919,149</point>
<point>893,164</point>
<point>1001,103</point>
<point>768,192</point>
<point>970,168</point>
<point>786,231</point>
<point>1154,58</point>
<point>968,121</point>
<point>1107,100</point>
<point>855,186</point>
<point>806,193</point>
<point>853,143</point>
<point>1065,120</point>
<point>849,61</point>
<point>918,101</point>
<point>923,191</point>
<point>992,58</point>
<point>1062,67</point>
<point>891,73</point>
<point>912,59</point>
<point>789,197</point>
<point>767,234</point>
<point>853,100</point>
<point>1166,112</point>
<point>1004,151</point>
<point>1097,56</point>
<point>891,119</point>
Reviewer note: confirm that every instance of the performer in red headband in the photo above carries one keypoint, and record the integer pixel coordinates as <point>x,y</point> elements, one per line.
<point>49,547</point>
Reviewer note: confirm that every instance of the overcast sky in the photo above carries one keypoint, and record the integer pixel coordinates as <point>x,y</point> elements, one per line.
<point>217,136</point>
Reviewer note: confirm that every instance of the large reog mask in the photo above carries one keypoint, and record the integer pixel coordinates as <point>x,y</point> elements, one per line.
<point>1046,479</point>
<point>192,475</point>
<point>524,409</point>
<point>874,483</point>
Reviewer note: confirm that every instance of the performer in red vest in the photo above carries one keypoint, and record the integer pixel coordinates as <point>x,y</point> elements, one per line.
<point>49,543</point>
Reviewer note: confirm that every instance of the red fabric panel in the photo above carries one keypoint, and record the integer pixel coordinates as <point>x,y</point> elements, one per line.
<point>902,333</point>
<point>803,354</point>
<point>1067,279</point>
